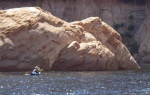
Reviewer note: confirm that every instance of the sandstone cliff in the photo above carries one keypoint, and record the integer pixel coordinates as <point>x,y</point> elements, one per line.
<point>126,16</point>
<point>31,36</point>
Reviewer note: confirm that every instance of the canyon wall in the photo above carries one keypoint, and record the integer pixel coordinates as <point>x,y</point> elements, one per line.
<point>125,16</point>
<point>111,11</point>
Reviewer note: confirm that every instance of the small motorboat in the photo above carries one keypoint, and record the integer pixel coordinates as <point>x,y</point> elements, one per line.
<point>35,73</point>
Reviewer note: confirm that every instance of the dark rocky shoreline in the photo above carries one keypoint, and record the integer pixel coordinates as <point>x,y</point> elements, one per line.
<point>144,66</point>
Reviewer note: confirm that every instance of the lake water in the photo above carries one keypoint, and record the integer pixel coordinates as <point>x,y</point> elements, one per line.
<point>76,83</point>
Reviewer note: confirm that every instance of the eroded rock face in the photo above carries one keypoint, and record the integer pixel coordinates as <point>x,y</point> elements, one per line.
<point>31,36</point>
<point>103,50</point>
<point>143,38</point>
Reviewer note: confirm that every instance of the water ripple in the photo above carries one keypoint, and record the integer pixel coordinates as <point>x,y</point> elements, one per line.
<point>76,83</point>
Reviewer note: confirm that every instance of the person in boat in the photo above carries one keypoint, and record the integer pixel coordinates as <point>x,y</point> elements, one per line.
<point>37,69</point>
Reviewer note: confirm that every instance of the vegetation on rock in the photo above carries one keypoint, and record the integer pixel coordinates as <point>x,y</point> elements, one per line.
<point>117,26</point>
<point>131,27</point>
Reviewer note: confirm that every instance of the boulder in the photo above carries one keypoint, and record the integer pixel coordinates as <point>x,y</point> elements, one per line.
<point>30,36</point>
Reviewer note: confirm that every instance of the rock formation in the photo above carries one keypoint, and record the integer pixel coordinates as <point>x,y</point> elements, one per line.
<point>142,37</point>
<point>115,13</point>
<point>111,11</point>
<point>31,36</point>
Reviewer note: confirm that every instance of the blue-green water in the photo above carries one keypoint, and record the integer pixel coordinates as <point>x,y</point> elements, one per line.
<point>77,83</point>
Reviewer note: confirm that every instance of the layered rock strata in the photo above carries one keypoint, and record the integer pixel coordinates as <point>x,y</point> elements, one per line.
<point>31,36</point>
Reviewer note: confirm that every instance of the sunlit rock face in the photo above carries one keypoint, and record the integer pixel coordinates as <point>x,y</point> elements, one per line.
<point>30,36</point>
